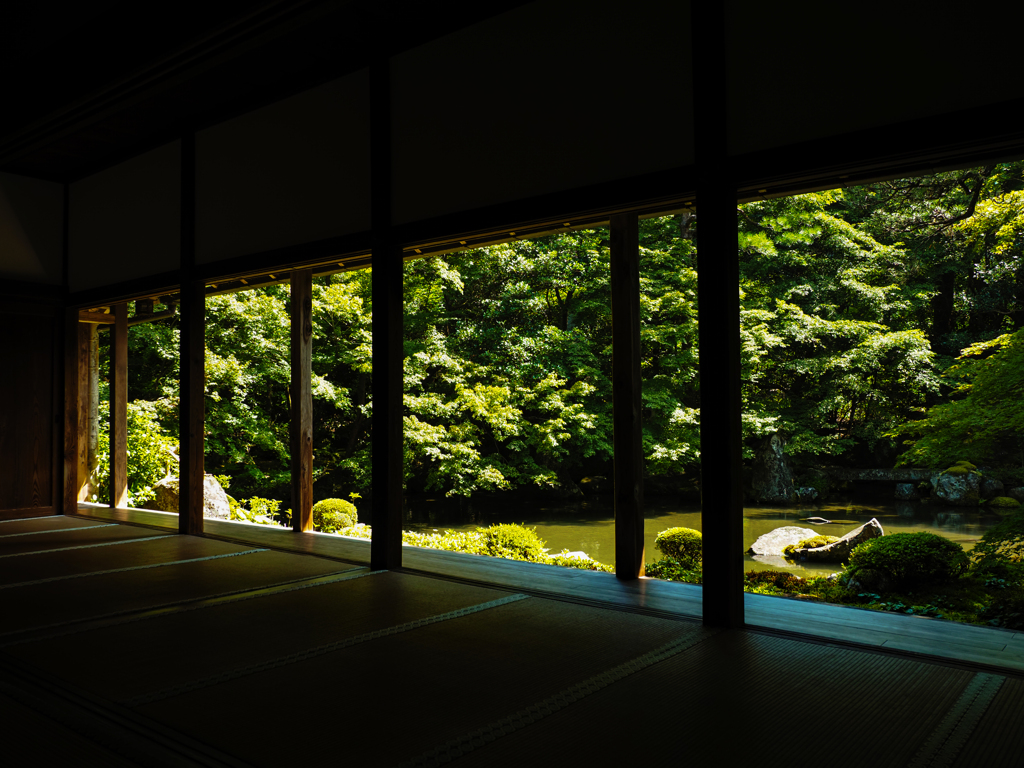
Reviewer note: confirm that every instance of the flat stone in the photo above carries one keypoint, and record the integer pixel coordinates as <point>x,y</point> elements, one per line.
<point>772,543</point>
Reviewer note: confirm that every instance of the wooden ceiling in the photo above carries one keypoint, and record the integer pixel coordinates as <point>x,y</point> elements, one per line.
<point>83,93</point>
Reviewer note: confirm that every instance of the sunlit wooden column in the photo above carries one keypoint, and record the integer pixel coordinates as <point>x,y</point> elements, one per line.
<point>302,399</point>
<point>626,401</point>
<point>119,407</point>
<point>386,385</point>
<point>192,358</point>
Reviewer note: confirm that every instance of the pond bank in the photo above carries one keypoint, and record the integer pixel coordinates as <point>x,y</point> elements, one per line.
<point>588,526</point>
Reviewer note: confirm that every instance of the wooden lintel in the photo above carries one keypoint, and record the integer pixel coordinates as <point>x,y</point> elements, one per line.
<point>85,316</point>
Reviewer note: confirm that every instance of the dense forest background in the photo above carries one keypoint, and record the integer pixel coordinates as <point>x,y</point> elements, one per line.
<point>880,324</point>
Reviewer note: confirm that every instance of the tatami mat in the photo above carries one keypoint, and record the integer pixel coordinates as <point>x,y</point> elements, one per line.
<point>60,539</point>
<point>75,599</point>
<point>124,554</point>
<point>48,523</point>
<point>35,740</point>
<point>448,676</point>
<point>247,631</point>
<point>737,698</point>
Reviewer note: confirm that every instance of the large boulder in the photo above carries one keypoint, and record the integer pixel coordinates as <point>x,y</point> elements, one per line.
<point>215,500</point>
<point>1016,493</point>
<point>772,543</point>
<point>839,551</point>
<point>957,488</point>
<point>772,480</point>
<point>990,488</point>
<point>906,492</point>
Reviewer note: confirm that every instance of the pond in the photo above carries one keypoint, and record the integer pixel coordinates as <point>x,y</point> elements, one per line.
<point>588,525</point>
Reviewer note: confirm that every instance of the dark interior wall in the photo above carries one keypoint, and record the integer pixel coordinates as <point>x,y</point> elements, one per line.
<point>295,172</point>
<point>125,221</point>
<point>28,405</point>
<point>31,229</point>
<point>808,69</point>
<point>547,97</point>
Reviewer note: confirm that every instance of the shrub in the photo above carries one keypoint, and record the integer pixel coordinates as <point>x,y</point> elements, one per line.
<point>514,542</point>
<point>565,560</point>
<point>812,543</point>
<point>684,545</point>
<point>331,515</point>
<point>1007,502</point>
<point>1004,541</point>
<point>780,580</point>
<point>670,569</point>
<point>909,559</point>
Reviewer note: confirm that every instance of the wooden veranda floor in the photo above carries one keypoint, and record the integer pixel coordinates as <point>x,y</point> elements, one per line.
<point>122,644</point>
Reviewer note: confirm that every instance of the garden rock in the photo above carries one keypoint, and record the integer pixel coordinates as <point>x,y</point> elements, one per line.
<point>805,495</point>
<point>957,489</point>
<point>839,551</point>
<point>772,480</point>
<point>990,488</point>
<point>906,492</point>
<point>215,500</point>
<point>772,543</point>
<point>1016,493</point>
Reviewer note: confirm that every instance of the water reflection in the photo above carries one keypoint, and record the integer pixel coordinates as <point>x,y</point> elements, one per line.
<point>588,526</point>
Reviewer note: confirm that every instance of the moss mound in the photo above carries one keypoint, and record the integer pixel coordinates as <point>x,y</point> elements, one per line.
<point>331,515</point>
<point>911,559</point>
<point>1004,501</point>
<point>1003,542</point>
<point>683,545</point>
<point>812,543</point>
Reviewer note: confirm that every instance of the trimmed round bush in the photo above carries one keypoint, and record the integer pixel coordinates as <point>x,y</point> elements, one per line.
<point>331,515</point>
<point>684,545</point>
<point>812,543</point>
<point>514,542</point>
<point>911,559</point>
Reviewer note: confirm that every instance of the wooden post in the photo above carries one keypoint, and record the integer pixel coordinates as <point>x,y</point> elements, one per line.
<point>192,356</point>
<point>386,544</point>
<point>192,411</point>
<point>626,402</point>
<point>88,406</point>
<point>119,407</point>
<point>73,445</point>
<point>719,327</point>
<point>302,399</point>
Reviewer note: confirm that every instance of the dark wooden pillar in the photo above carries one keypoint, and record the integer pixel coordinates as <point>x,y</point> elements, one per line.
<point>192,410</point>
<point>302,399</point>
<point>73,445</point>
<point>119,407</point>
<point>192,357</point>
<point>719,325</point>
<point>626,403</point>
<point>386,431</point>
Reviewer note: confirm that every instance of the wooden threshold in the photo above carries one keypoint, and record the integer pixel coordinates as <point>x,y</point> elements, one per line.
<point>988,647</point>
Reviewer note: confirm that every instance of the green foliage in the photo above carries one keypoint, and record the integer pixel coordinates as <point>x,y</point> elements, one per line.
<point>812,543</point>
<point>152,454</point>
<point>1003,542</point>
<point>986,418</point>
<point>911,559</point>
<point>670,569</point>
<point>331,515</point>
<point>565,560</point>
<point>514,542</point>
<point>683,545</point>
<point>779,581</point>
